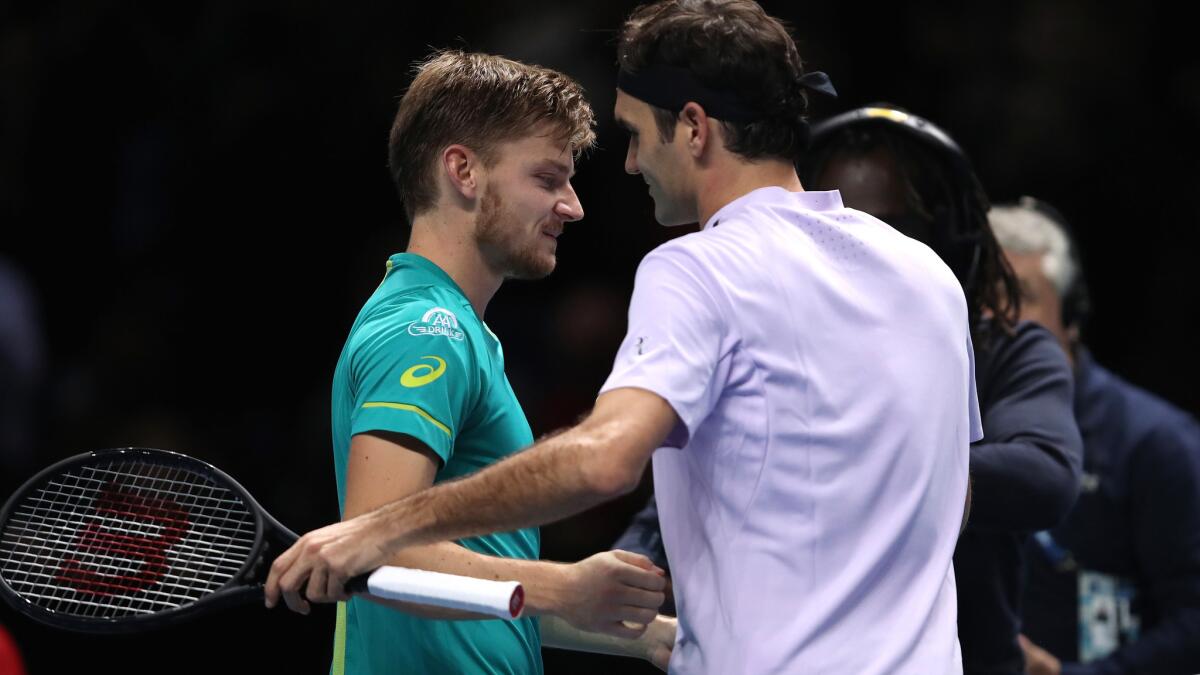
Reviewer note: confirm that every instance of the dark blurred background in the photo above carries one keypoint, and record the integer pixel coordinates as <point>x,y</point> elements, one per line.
<point>194,203</point>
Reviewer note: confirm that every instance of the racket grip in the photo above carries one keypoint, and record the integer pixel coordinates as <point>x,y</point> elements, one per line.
<point>504,599</point>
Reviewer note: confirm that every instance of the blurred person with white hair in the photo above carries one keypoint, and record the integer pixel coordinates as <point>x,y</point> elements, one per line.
<point>1115,588</point>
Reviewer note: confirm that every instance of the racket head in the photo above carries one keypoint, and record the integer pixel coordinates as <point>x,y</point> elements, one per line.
<point>128,539</point>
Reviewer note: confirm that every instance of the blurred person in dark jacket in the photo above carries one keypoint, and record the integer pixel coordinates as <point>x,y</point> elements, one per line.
<point>1115,588</point>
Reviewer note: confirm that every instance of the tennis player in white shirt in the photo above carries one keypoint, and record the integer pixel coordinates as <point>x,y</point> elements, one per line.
<point>801,373</point>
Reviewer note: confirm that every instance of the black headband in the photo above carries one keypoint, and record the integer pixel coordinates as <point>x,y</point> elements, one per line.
<point>672,87</point>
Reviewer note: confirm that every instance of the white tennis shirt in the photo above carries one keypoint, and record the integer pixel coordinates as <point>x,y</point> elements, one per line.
<point>810,500</point>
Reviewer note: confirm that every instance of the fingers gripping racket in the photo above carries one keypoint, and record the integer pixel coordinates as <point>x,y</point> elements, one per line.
<point>123,540</point>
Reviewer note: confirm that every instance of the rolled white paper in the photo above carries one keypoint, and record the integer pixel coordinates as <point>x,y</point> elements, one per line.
<point>504,599</point>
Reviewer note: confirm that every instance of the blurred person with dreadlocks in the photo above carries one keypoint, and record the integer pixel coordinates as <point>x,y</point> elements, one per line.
<point>1115,588</point>
<point>1026,470</point>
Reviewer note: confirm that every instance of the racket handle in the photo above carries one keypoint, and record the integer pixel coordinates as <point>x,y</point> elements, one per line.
<point>504,599</point>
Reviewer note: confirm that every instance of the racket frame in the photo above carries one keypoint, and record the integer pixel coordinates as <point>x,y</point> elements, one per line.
<point>246,585</point>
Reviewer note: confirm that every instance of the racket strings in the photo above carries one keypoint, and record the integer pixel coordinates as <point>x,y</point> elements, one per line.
<point>124,538</point>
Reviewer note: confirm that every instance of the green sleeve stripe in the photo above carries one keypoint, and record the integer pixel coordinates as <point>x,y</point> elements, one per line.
<point>339,641</point>
<point>411,408</point>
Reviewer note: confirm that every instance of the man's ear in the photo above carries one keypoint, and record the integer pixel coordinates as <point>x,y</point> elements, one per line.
<point>695,123</point>
<point>462,168</point>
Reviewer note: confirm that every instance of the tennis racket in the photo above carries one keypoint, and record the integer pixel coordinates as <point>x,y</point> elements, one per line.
<point>123,540</point>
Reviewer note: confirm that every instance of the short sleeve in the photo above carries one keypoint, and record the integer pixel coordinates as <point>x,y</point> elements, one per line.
<point>412,373</point>
<point>674,340</point>
<point>976,422</point>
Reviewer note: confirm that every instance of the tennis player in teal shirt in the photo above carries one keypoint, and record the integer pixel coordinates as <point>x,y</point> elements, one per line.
<point>420,363</point>
<point>482,150</point>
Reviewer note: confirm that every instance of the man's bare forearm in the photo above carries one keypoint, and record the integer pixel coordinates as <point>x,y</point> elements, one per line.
<point>559,634</point>
<point>600,459</point>
<point>654,645</point>
<point>552,480</point>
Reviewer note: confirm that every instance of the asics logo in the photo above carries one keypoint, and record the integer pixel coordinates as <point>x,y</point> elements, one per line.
<point>423,373</point>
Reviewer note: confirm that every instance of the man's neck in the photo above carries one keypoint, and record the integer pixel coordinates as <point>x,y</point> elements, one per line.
<point>450,244</point>
<point>731,177</point>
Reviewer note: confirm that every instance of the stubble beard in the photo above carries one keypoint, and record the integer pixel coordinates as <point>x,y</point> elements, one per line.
<point>504,244</point>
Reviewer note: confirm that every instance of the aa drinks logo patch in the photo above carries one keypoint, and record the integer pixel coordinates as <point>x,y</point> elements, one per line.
<point>437,321</point>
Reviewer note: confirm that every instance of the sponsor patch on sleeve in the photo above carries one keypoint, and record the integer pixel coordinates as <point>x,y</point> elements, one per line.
<point>437,321</point>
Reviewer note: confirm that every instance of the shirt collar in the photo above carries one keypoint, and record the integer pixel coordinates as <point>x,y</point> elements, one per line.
<point>812,201</point>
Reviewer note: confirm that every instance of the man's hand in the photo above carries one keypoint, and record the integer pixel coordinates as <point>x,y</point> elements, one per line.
<point>1038,661</point>
<point>658,640</point>
<point>316,568</point>
<point>616,592</point>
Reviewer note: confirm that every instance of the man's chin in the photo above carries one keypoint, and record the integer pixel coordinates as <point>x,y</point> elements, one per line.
<point>534,269</point>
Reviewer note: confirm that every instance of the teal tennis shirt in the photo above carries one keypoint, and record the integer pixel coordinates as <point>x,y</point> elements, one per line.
<point>420,362</point>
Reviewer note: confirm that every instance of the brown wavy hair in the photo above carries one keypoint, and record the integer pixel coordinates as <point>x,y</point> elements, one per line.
<point>480,101</point>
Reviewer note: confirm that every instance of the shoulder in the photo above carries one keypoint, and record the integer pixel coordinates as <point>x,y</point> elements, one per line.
<point>394,305</point>
<point>717,253</point>
<point>1159,430</point>
<point>417,318</point>
<point>1027,342</point>
<point>1027,357</point>
<point>688,257</point>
